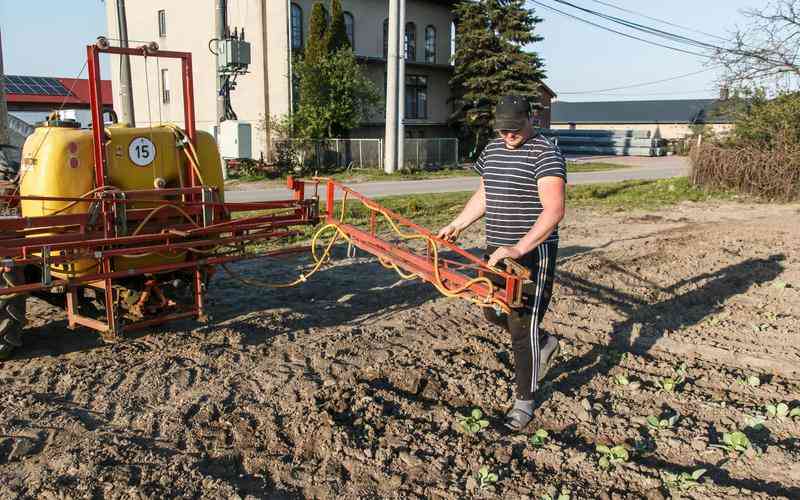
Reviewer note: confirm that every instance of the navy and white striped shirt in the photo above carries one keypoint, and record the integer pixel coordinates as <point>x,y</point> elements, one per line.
<point>510,178</point>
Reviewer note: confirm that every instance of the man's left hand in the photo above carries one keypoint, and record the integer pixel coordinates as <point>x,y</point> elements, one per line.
<point>503,253</point>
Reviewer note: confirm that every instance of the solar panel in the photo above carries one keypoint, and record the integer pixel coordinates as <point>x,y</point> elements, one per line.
<point>34,85</point>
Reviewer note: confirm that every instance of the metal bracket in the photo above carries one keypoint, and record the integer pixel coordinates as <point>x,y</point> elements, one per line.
<point>207,198</point>
<point>120,214</point>
<point>47,279</point>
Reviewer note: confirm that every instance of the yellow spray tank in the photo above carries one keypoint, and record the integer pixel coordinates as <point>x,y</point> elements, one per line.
<point>57,161</point>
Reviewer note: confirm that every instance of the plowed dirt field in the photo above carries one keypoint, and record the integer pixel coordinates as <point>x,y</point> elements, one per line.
<point>350,385</point>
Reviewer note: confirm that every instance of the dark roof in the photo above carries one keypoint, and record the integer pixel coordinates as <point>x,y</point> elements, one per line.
<point>52,91</point>
<point>671,111</point>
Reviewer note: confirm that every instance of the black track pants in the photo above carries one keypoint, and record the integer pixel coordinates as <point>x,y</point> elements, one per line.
<point>523,323</point>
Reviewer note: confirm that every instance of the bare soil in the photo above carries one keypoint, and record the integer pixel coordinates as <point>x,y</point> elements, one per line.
<point>350,385</point>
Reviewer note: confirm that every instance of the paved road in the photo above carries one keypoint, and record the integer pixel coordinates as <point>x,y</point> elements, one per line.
<point>658,168</point>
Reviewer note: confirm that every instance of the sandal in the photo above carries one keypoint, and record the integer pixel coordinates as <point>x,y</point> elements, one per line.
<point>517,419</point>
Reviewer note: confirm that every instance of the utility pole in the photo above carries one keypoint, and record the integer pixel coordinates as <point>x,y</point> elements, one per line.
<point>220,32</point>
<point>125,94</point>
<point>390,152</point>
<point>3,107</point>
<point>401,86</point>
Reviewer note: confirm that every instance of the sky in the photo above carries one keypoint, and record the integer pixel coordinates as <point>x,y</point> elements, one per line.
<point>48,38</point>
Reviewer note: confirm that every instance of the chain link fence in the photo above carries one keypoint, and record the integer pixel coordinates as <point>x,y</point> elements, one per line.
<point>363,154</point>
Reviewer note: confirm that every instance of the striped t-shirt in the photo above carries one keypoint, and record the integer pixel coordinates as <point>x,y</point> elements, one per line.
<point>512,195</point>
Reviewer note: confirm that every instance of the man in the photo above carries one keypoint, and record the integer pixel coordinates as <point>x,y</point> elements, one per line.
<point>522,191</point>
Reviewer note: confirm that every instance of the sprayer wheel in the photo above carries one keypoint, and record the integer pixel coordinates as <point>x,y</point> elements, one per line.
<point>12,315</point>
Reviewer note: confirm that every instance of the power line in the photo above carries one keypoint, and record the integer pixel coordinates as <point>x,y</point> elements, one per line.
<point>643,84</point>
<point>607,4</point>
<point>643,28</point>
<point>668,93</point>
<point>621,33</point>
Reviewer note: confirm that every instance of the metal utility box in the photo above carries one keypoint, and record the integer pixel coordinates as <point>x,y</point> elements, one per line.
<point>233,55</point>
<point>235,140</point>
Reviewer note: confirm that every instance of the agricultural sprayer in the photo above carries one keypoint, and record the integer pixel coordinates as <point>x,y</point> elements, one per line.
<point>123,227</point>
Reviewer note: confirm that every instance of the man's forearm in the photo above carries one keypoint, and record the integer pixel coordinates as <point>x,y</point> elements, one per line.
<point>473,210</point>
<point>544,227</point>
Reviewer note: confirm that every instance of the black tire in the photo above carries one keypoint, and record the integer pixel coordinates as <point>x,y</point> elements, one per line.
<point>12,315</point>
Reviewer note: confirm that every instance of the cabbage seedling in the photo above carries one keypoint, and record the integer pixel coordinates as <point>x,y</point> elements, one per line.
<point>611,457</point>
<point>539,437</point>
<point>659,424</point>
<point>734,442</point>
<point>683,481</point>
<point>564,495</point>
<point>781,411</point>
<point>473,423</point>
<point>621,379</point>
<point>486,478</point>
<point>756,423</point>
<point>751,381</point>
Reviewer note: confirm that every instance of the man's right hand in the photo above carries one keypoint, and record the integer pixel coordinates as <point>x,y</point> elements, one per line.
<point>449,233</point>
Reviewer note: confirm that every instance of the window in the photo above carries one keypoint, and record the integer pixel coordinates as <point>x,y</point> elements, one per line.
<point>430,44</point>
<point>349,23</point>
<point>165,97</point>
<point>411,42</point>
<point>162,23</point>
<point>297,27</point>
<point>385,38</point>
<point>416,97</point>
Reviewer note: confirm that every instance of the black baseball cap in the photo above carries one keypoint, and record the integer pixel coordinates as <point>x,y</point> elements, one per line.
<point>511,113</point>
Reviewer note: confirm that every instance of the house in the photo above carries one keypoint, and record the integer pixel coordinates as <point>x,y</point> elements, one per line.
<point>668,119</point>
<point>276,29</point>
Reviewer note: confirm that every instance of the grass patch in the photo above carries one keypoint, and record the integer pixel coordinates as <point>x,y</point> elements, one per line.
<point>355,176</point>
<point>593,167</point>
<point>631,195</point>
<point>436,211</point>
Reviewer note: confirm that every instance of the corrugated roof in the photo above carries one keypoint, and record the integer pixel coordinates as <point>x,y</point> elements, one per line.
<point>670,111</point>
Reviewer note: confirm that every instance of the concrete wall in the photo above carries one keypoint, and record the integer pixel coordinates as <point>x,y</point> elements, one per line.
<point>663,130</point>
<point>189,27</point>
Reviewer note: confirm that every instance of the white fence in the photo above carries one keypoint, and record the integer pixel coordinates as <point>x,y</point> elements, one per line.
<point>420,154</point>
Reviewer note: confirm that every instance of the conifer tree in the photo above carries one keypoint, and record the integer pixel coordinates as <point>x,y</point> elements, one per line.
<point>316,46</point>
<point>337,33</point>
<point>490,61</point>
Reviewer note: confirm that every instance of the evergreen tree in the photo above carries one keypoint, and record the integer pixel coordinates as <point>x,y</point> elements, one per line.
<point>490,61</point>
<point>316,45</point>
<point>334,94</point>
<point>337,33</point>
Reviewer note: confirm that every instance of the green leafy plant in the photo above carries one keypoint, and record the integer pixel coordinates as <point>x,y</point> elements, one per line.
<point>610,457</point>
<point>734,442</point>
<point>781,411</point>
<point>486,478</point>
<point>539,438</point>
<point>473,423</point>
<point>754,422</point>
<point>659,424</point>
<point>750,381</point>
<point>683,481</point>
<point>621,379</point>
<point>563,495</point>
<point>670,384</point>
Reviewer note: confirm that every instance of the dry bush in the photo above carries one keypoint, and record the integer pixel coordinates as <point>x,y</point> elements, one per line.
<point>771,174</point>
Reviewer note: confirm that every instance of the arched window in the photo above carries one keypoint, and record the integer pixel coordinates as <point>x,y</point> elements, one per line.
<point>411,42</point>
<point>430,44</point>
<point>349,23</point>
<point>297,27</point>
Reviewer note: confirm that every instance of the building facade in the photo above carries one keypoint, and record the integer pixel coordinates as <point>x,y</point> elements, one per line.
<point>274,29</point>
